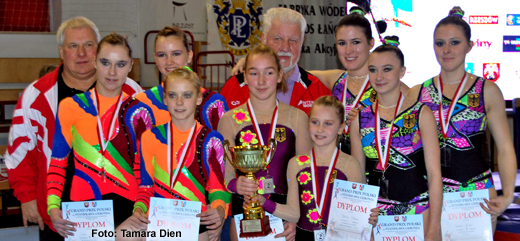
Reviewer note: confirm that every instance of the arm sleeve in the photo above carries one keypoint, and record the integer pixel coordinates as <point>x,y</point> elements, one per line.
<point>22,153</point>
<point>291,210</point>
<point>218,196</point>
<point>61,148</point>
<point>146,187</point>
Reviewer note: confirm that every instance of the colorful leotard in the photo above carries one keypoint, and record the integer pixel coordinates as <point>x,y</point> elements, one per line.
<point>147,110</point>
<point>244,133</point>
<point>467,168</point>
<point>368,98</point>
<point>76,129</point>
<point>202,175</point>
<point>309,218</point>
<point>408,190</point>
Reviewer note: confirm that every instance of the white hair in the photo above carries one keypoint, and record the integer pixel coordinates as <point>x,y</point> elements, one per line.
<point>284,15</point>
<point>76,22</point>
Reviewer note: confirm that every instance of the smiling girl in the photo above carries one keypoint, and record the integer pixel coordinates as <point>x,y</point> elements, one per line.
<point>260,119</point>
<point>395,140</point>
<point>470,104</point>
<point>88,124</point>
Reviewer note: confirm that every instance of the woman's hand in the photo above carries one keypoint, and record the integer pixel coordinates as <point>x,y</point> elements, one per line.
<point>62,226</point>
<point>352,114</point>
<point>139,220</point>
<point>246,186</point>
<point>496,206</point>
<point>239,67</point>
<point>289,231</point>
<point>213,217</point>
<point>374,214</point>
<point>247,200</point>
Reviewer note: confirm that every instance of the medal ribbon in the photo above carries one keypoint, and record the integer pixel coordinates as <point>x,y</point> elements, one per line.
<point>384,156</point>
<point>189,141</point>
<point>356,101</point>
<point>315,185</point>
<point>272,129</point>
<point>103,142</point>
<point>445,121</point>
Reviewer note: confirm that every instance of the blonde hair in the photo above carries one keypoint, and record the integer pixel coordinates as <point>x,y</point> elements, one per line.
<point>333,102</point>
<point>76,22</point>
<point>266,50</point>
<point>183,73</point>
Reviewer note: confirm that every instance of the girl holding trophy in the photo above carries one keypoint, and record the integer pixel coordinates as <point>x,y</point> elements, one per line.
<point>396,142</point>
<point>182,159</point>
<point>325,126</point>
<point>260,119</point>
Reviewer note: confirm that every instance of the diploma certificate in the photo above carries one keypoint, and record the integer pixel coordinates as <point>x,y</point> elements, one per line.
<point>173,218</point>
<point>276,224</point>
<point>94,219</point>
<point>463,218</point>
<point>399,228</point>
<point>350,210</point>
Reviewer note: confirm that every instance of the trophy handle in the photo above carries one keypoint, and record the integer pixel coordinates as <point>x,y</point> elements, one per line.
<point>225,144</point>
<point>272,146</point>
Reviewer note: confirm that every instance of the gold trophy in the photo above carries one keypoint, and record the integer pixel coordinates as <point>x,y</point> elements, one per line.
<point>251,159</point>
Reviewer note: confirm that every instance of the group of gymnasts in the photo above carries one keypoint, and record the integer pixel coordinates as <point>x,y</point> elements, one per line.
<point>414,143</point>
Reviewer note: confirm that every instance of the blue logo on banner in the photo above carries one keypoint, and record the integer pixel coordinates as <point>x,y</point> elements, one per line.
<point>513,20</point>
<point>469,68</point>
<point>511,44</point>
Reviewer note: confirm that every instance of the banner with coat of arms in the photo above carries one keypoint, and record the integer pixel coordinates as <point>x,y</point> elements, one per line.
<point>239,24</point>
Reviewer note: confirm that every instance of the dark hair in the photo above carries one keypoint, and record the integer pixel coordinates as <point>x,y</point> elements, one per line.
<point>266,50</point>
<point>115,39</point>
<point>47,69</point>
<point>330,101</point>
<point>455,18</point>
<point>356,19</point>
<point>390,44</point>
<point>173,31</point>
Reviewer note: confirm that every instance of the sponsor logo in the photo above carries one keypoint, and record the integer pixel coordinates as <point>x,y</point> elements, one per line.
<point>396,218</point>
<point>511,44</point>
<point>183,203</point>
<point>483,19</point>
<point>513,20</point>
<point>306,104</point>
<point>404,218</point>
<point>482,44</point>
<point>361,187</point>
<point>94,204</point>
<point>491,71</point>
<point>239,24</point>
<point>175,203</point>
<point>354,185</point>
<point>469,68</point>
<point>179,4</point>
<point>470,194</point>
<point>462,194</point>
<point>235,102</point>
<point>86,204</point>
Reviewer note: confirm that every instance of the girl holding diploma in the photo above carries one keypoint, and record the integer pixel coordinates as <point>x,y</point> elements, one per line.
<point>469,103</point>
<point>395,140</point>
<point>185,144</point>
<point>87,124</point>
<point>305,204</point>
<point>255,122</point>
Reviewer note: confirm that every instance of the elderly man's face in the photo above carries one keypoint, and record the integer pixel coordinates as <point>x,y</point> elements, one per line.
<point>286,40</point>
<point>79,52</point>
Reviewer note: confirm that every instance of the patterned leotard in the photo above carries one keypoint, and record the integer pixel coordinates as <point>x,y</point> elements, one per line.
<point>408,190</point>
<point>466,167</point>
<point>368,98</point>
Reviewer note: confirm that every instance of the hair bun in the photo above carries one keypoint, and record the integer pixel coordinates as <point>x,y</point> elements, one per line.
<point>456,12</point>
<point>357,10</point>
<point>391,40</point>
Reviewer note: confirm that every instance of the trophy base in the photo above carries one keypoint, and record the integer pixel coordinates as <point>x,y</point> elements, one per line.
<point>255,227</point>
